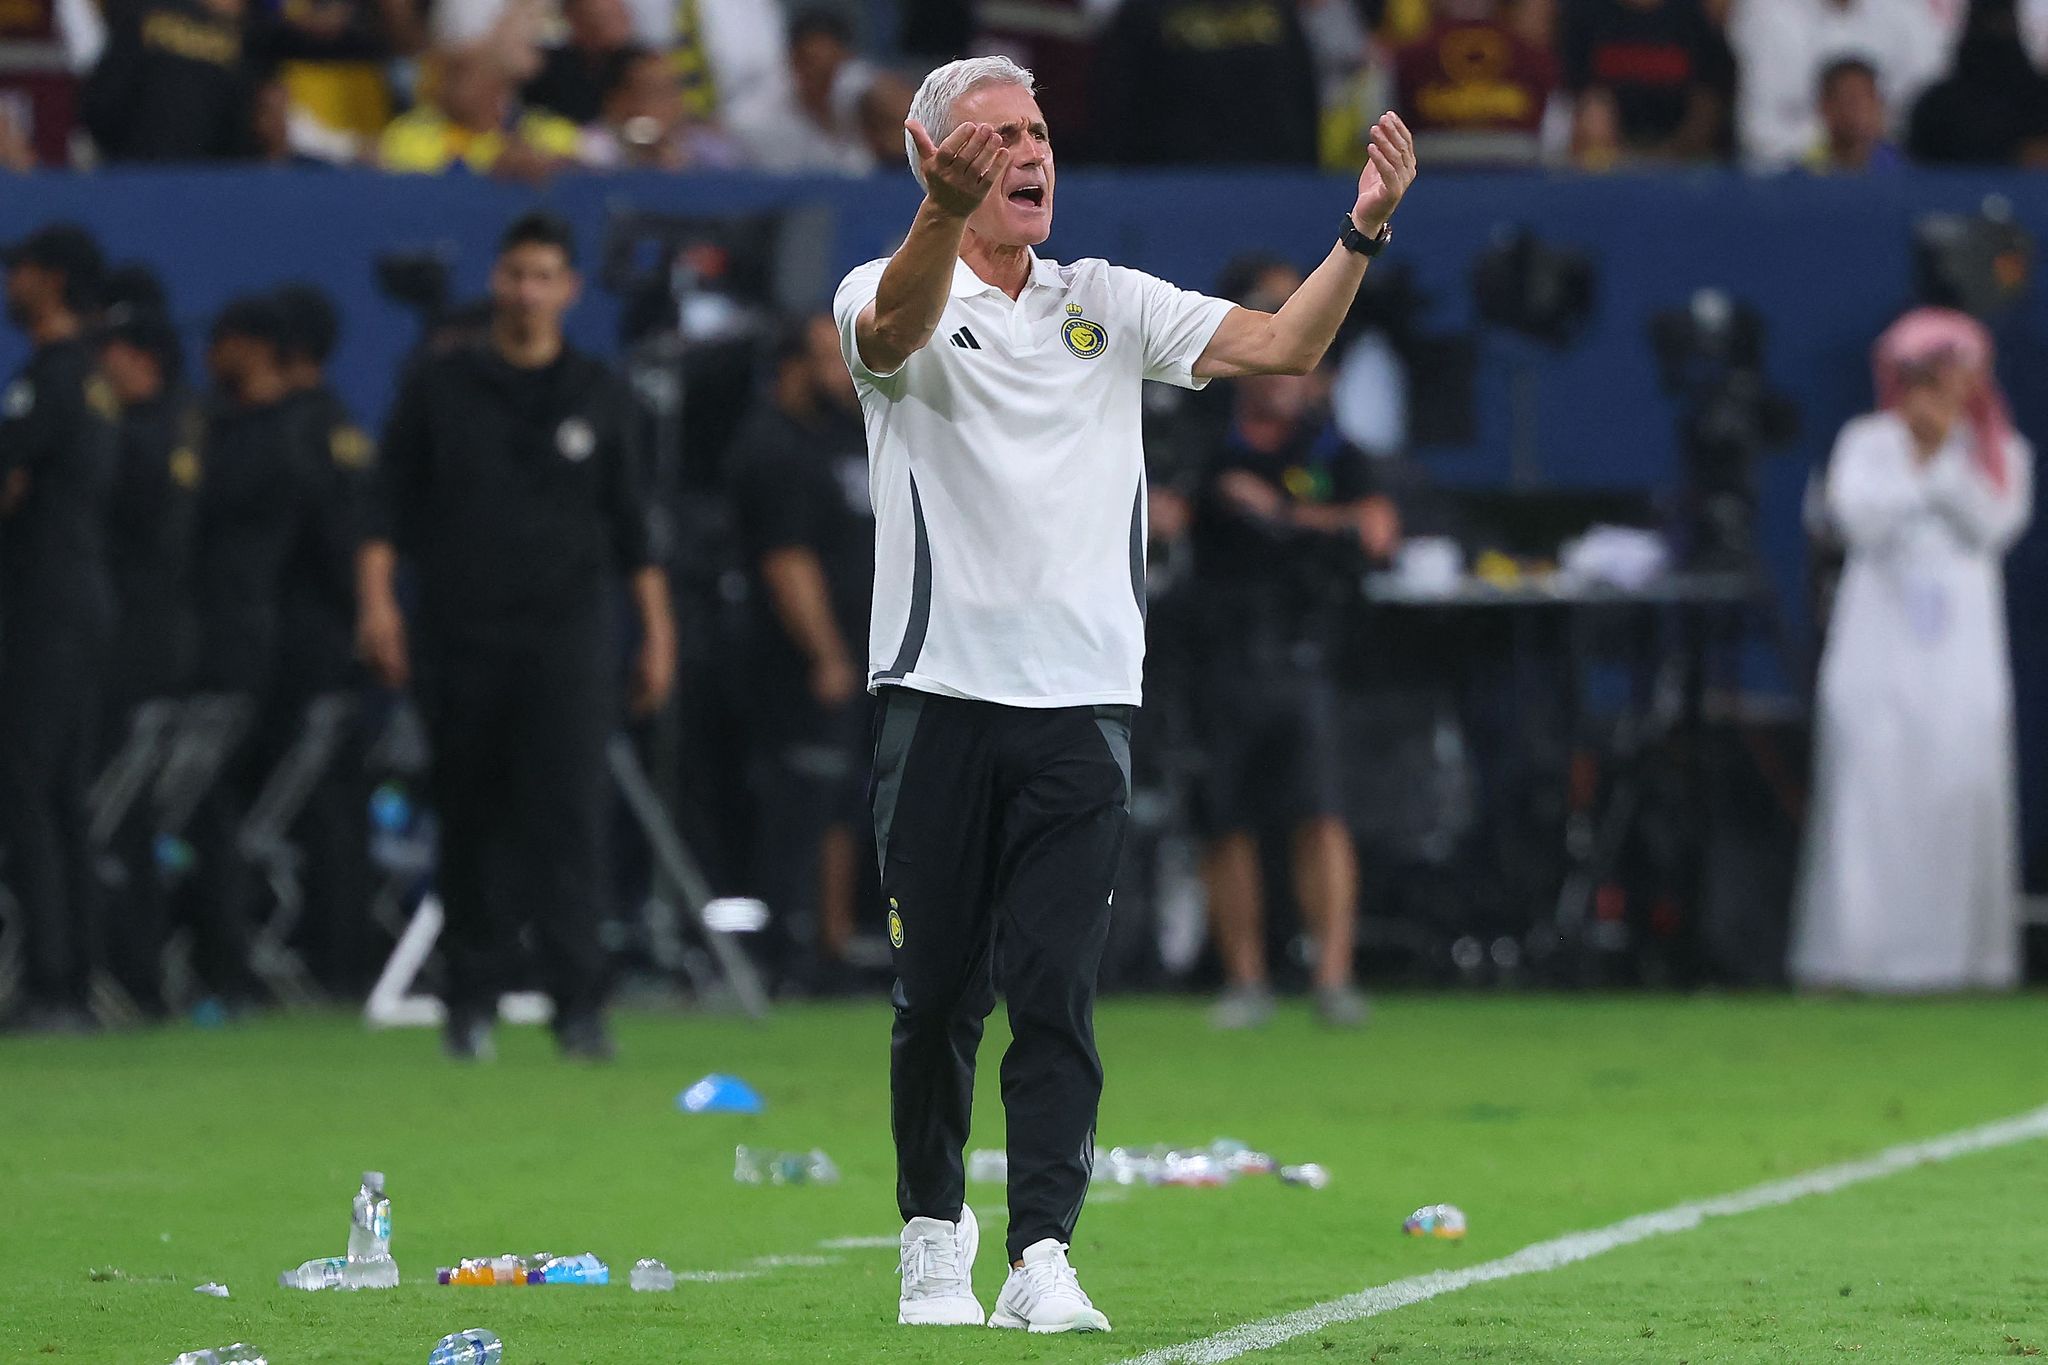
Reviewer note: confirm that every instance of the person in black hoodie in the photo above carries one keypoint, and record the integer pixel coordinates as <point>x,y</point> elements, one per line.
<point>1992,110</point>
<point>56,466</point>
<point>174,83</point>
<point>1228,82</point>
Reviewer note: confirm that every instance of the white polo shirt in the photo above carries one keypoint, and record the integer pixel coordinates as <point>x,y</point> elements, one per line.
<point>1008,476</point>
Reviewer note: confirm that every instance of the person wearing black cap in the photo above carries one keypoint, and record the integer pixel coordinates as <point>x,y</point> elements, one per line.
<point>261,498</point>
<point>317,646</point>
<point>511,480</point>
<point>150,521</point>
<point>56,465</point>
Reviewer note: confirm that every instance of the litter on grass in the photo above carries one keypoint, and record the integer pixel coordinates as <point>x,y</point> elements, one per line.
<point>652,1277</point>
<point>212,1287</point>
<point>109,1274</point>
<point>473,1347</point>
<point>1308,1174</point>
<point>717,1094</point>
<point>1436,1220</point>
<point>761,1166</point>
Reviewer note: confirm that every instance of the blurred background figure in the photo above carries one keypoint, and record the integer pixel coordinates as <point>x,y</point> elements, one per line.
<point>1854,127</point>
<point>1474,88</point>
<point>814,126</point>
<point>57,453</point>
<point>1911,876</point>
<point>1654,80</point>
<point>1191,81</point>
<point>576,76</point>
<point>800,472</point>
<point>475,122</point>
<point>151,522</point>
<point>1785,46</point>
<point>1992,107</point>
<point>174,83</point>
<point>645,123</point>
<point>1286,519</point>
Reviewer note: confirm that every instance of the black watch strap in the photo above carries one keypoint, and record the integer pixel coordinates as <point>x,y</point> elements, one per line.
<point>1353,240</point>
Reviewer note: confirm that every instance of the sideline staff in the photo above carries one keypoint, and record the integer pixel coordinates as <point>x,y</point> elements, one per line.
<point>511,480</point>
<point>57,451</point>
<point>1002,395</point>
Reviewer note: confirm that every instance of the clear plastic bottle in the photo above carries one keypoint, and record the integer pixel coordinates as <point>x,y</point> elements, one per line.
<point>241,1353</point>
<point>369,1238</point>
<point>988,1166</point>
<point>325,1272</point>
<point>473,1347</point>
<point>652,1277</point>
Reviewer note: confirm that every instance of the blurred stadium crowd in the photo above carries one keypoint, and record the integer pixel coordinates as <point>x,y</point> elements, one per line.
<point>523,88</point>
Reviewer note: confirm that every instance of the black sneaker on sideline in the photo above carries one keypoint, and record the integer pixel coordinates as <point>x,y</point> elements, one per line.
<point>467,1037</point>
<point>583,1037</point>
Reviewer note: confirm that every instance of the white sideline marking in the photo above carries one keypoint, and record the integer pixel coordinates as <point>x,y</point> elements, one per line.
<point>1574,1247</point>
<point>861,1243</point>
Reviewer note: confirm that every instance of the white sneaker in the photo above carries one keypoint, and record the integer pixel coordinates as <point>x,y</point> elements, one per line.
<point>938,1272</point>
<point>1044,1294</point>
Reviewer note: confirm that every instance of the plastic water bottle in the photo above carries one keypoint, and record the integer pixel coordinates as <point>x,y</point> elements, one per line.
<point>369,1238</point>
<point>988,1167</point>
<point>584,1269</point>
<point>474,1347</point>
<point>652,1277</point>
<point>240,1353</point>
<point>325,1272</point>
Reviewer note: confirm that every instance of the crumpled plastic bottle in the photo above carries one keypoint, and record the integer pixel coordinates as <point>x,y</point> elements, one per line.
<point>1436,1220</point>
<point>762,1166</point>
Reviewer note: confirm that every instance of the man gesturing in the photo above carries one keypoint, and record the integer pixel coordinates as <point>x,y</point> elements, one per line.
<point>1001,394</point>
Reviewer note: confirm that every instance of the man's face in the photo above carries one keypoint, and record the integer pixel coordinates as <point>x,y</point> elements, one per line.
<point>1017,212</point>
<point>132,372</point>
<point>650,90</point>
<point>533,285</point>
<point>599,25</point>
<point>829,376</point>
<point>814,64</point>
<point>1853,110</point>
<point>31,289</point>
<point>473,92</point>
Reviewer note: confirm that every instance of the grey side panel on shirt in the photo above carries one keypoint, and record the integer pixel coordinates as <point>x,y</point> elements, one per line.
<point>900,709</point>
<point>920,596</point>
<point>1138,548</point>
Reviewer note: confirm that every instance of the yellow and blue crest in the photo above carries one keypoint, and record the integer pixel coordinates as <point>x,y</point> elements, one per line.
<point>1084,338</point>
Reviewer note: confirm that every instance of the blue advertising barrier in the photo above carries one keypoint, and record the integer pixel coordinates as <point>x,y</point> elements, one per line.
<point>1827,261</point>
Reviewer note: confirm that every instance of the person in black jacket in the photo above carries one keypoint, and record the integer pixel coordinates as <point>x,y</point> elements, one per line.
<point>317,647</point>
<point>1228,82</point>
<point>56,466</point>
<point>262,496</point>
<point>173,84</point>
<point>511,480</point>
<point>150,526</point>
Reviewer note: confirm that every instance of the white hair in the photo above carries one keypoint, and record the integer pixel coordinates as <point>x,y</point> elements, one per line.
<point>942,89</point>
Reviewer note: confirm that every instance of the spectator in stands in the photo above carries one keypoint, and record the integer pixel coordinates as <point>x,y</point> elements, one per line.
<point>56,466</point>
<point>1653,79</point>
<point>1210,82</point>
<point>813,127</point>
<point>332,59</point>
<point>808,528</point>
<point>475,124</point>
<point>1911,877</point>
<point>880,113</point>
<point>1992,109</point>
<point>1853,137</point>
<point>646,123</point>
<point>150,521</point>
<point>174,83</point>
<point>2032,15</point>
<point>17,153</point>
<point>1473,88</point>
<point>575,77</point>
<point>1784,46</point>
<point>1286,518</point>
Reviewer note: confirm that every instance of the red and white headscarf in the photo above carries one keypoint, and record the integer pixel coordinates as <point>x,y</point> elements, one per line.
<point>1930,336</point>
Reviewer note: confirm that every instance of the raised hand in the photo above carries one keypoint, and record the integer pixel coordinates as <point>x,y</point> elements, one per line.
<point>1389,171</point>
<point>959,172</point>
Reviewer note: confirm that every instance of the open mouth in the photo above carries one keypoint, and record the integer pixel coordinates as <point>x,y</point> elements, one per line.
<point>1030,196</point>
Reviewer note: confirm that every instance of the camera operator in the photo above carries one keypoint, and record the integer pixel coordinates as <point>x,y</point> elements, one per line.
<point>510,478</point>
<point>1286,522</point>
<point>56,467</point>
<point>801,489</point>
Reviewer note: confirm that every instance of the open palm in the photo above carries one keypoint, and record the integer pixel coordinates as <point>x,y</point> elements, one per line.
<point>1389,171</point>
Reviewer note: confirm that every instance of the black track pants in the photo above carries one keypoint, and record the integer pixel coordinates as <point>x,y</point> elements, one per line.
<point>999,830</point>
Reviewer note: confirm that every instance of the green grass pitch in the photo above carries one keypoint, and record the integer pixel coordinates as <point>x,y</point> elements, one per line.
<point>231,1155</point>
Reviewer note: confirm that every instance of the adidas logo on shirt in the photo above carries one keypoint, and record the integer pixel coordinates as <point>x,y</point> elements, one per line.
<point>964,339</point>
